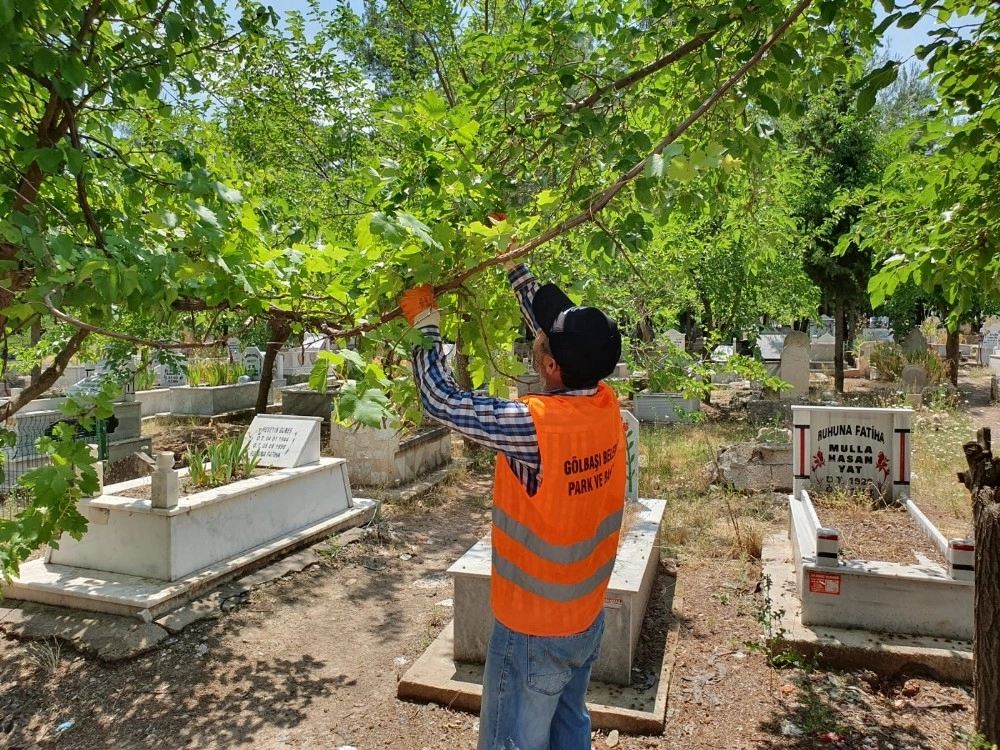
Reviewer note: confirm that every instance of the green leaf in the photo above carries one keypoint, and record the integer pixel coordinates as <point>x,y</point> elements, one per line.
<point>546,199</point>
<point>319,373</point>
<point>75,160</point>
<point>73,71</point>
<point>866,99</point>
<point>768,104</point>
<point>204,213</point>
<point>45,60</point>
<point>908,20</point>
<point>598,245</point>
<point>384,226</point>
<point>419,229</point>
<point>681,169</point>
<point>370,408</point>
<point>227,194</point>
<point>654,166</point>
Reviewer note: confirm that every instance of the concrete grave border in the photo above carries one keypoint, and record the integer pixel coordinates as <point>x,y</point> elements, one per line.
<point>435,677</point>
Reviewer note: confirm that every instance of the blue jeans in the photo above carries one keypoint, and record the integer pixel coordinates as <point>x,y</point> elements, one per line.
<point>534,690</point>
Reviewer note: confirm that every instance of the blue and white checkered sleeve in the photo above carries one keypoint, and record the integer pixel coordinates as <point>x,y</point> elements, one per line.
<point>500,424</point>
<point>524,285</point>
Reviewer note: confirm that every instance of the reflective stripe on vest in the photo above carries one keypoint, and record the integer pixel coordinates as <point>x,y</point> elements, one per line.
<point>563,554</point>
<point>554,552</point>
<point>557,592</point>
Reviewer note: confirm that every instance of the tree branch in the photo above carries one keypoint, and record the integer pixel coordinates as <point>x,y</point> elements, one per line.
<point>80,325</point>
<point>81,183</point>
<point>644,72</point>
<point>48,377</point>
<point>602,199</point>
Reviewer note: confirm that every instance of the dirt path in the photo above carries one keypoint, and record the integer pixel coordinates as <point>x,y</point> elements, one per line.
<point>977,392</point>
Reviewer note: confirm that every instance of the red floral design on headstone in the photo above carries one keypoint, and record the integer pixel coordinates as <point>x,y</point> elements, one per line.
<point>882,464</point>
<point>819,461</point>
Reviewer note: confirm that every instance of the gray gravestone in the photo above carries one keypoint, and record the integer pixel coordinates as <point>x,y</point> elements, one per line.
<point>769,345</point>
<point>253,361</point>
<point>822,349</point>
<point>914,377</point>
<point>233,345</point>
<point>988,345</point>
<point>915,342</point>
<point>795,364</point>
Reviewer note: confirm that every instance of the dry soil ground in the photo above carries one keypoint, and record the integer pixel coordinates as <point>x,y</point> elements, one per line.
<point>312,661</point>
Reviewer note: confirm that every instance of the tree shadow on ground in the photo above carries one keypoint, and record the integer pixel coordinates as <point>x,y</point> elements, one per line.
<point>158,701</point>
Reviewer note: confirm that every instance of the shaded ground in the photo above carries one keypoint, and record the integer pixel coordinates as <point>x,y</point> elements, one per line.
<point>312,661</point>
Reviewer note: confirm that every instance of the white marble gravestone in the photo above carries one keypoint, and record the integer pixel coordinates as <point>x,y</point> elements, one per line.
<point>253,361</point>
<point>284,440</point>
<point>233,346</point>
<point>173,374</point>
<point>851,448</point>
<point>676,338</point>
<point>991,337</point>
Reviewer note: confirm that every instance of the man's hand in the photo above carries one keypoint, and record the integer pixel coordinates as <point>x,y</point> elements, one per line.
<point>420,307</point>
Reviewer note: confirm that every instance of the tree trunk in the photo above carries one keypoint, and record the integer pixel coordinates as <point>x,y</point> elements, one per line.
<point>951,353</point>
<point>279,330</point>
<point>838,347</point>
<point>852,327</point>
<point>986,647</point>
<point>48,377</point>
<point>36,337</point>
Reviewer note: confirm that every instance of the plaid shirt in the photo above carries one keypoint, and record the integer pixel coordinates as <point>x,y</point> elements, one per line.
<point>500,424</point>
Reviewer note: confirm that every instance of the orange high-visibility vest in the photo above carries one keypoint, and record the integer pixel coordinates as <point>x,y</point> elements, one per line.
<point>553,552</point>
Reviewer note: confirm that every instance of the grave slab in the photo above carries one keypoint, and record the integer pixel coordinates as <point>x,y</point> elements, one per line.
<point>624,602</point>
<point>200,529</point>
<point>107,637</point>
<point>120,594</point>
<point>436,677</point>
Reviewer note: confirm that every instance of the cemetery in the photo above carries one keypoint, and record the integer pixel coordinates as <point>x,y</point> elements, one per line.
<point>311,313</point>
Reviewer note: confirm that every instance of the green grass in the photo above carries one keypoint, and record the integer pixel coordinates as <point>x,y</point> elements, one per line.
<point>700,520</point>
<point>936,452</point>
